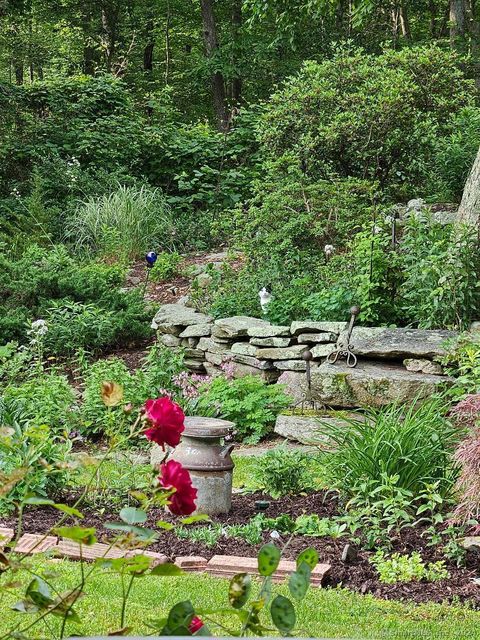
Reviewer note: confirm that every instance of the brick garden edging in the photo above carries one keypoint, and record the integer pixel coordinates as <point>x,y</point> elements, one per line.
<point>218,566</point>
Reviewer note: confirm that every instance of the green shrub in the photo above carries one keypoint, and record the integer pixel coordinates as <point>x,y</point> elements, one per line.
<point>462,361</point>
<point>251,404</point>
<point>413,443</point>
<point>407,568</point>
<point>166,266</point>
<point>283,471</point>
<point>47,399</point>
<point>125,223</point>
<point>373,117</point>
<point>31,445</point>
<point>45,282</point>
<point>441,275</point>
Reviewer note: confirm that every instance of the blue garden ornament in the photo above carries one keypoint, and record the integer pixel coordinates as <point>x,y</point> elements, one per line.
<point>151,258</point>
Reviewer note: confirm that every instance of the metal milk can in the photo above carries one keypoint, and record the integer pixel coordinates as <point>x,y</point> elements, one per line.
<point>203,452</point>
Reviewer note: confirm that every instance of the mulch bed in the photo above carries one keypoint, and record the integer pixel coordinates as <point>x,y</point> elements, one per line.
<point>358,575</point>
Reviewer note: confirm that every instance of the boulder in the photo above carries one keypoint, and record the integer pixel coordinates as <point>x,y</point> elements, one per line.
<point>237,326</point>
<point>251,362</point>
<point>421,365</point>
<point>309,326</point>
<point>314,338</point>
<point>268,331</point>
<point>244,348</point>
<point>287,353</point>
<point>171,318</point>
<point>271,342</point>
<point>290,365</point>
<point>194,365</point>
<point>304,429</point>
<point>373,384</point>
<point>267,375</point>
<point>207,344</point>
<point>216,359</point>
<point>322,350</point>
<point>169,340</point>
<point>379,342</point>
<point>197,331</point>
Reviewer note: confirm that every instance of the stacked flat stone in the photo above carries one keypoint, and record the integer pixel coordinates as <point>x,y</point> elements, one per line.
<point>394,364</point>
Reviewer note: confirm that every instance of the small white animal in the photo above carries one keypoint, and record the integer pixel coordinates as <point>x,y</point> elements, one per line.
<point>328,249</point>
<point>265,298</point>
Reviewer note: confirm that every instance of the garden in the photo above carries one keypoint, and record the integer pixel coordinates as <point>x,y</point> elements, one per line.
<point>239,319</point>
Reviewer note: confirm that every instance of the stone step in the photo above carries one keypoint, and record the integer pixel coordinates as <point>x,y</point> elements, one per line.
<point>304,428</point>
<point>369,384</point>
<point>33,543</point>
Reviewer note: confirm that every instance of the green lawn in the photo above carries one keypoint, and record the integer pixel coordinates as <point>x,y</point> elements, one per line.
<point>324,613</point>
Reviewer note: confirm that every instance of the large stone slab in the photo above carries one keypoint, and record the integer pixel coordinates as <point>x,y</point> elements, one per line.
<point>197,331</point>
<point>315,338</point>
<point>238,326</point>
<point>322,350</point>
<point>309,326</point>
<point>287,353</point>
<point>244,348</point>
<point>271,342</point>
<point>304,429</point>
<point>373,384</point>
<point>207,344</point>
<point>170,318</point>
<point>268,331</point>
<point>397,344</point>
<point>251,361</point>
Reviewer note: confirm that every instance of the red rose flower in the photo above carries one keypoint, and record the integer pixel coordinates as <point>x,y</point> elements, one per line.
<point>195,625</point>
<point>166,421</point>
<point>174,476</point>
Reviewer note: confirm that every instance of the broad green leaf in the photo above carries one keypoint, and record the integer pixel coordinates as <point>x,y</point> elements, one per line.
<point>299,582</point>
<point>268,559</point>
<point>81,535</point>
<point>201,517</point>
<point>140,532</point>
<point>310,557</point>
<point>131,515</point>
<point>283,614</point>
<point>239,590</point>
<point>161,524</point>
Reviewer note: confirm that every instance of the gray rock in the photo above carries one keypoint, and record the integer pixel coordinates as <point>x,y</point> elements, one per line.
<point>271,342</point>
<point>196,354</point>
<point>268,331</point>
<point>373,384</point>
<point>197,331</point>
<point>421,365</point>
<point>244,348</point>
<point>169,340</point>
<point>379,342</point>
<point>416,204</point>
<point>251,362</point>
<point>241,370</point>
<point>314,338</point>
<point>194,365</point>
<point>207,344</point>
<point>309,326</point>
<point>172,316</point>
<point>192,342</point>
<point>290,365</point>
<point>349,553</point>
<point>216,359</point>
<point>236,326</point>
<point>212,371</point>
<point>305,429</point>
<point>322,350</point>
<point>203,280</point>
<point>471,543</point>
<point>288,353</point>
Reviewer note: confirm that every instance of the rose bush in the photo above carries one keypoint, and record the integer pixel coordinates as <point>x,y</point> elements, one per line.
<point>166,420</point>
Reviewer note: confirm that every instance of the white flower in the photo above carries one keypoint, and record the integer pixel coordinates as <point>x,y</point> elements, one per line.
<point>39,327</point>
<point>328,249</point>
<point>275,535</point>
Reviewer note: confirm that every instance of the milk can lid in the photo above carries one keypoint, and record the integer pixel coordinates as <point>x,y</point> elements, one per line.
<point>207,427</point>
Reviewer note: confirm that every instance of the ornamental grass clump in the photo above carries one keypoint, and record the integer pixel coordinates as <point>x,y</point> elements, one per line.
<point>413,443</point>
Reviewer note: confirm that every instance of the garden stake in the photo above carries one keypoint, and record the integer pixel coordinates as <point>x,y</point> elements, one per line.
<point>343,347</point>
<point>150,258</point>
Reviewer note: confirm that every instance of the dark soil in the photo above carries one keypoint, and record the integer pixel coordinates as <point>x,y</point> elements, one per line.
<point>358,575</point>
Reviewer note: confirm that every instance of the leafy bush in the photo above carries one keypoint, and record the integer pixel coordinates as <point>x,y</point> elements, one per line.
<point>462,361</point>
<point>363,116</point>
<point>412,443</point>
<point>283,471</point>
<point>441,273</point>
<point>406,568</point>
<point>47,399</point>
<point>45,282</point>
<point>125,223</point>
<point>166,266</point>
<point>248,402</point>
<point>32,446</point>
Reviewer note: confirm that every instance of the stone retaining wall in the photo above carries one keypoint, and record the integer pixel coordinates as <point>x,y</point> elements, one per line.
<point>395,362</point>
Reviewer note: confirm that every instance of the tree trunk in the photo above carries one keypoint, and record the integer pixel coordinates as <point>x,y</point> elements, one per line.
<point>109,26</point>
<point>458,21</point>
<point>211,46</point>
<point>404,22</point>
<point>469,210</point>
<point>148,50</point>
<point>18,66</point>
<point>237,25</point>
